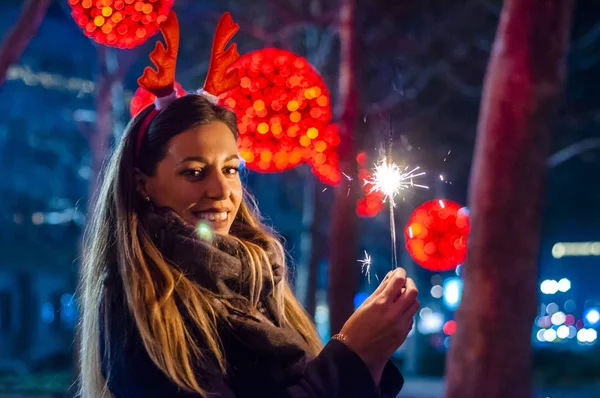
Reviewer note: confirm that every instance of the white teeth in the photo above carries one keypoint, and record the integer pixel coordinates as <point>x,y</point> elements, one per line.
<point>213,216</point>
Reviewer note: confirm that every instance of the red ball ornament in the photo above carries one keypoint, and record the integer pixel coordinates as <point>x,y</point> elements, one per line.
<point>143,98</point>
<point>372,203</point>
<point>284,115</point>
<point>436,235</point>
<point>120,23</point>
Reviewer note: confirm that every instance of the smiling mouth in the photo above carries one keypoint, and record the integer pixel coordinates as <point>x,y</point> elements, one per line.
<point>211,215</point>
<point>216,219</point>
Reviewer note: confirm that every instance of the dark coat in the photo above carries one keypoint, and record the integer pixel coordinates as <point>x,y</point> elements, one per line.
<point>264,359</point>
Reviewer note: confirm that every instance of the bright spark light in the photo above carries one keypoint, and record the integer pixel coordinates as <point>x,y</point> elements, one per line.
<point>204,232</point>
<point>389,179</point>
<point>366,266</point>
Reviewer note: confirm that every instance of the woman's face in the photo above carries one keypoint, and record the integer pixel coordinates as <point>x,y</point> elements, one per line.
<point>199,177</point>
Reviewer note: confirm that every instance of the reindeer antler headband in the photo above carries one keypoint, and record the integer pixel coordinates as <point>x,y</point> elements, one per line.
<point>219,79</point>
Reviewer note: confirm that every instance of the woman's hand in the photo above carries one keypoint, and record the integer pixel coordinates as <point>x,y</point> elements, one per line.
<point>380,325</point>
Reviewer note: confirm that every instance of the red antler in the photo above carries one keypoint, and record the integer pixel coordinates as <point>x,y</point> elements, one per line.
<point>220,77</point>
<point>160,82</point>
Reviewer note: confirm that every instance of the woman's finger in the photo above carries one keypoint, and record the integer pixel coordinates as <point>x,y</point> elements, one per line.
<point>379,288</point>
<point>395,284</point>
<point>383,283</point>
<point>407,299</point>
<point>406,319</point>
<point>410,313</point>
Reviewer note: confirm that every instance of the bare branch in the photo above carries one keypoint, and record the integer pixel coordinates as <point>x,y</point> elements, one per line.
<point>465,89</point>
<point>291,23</point>
<point>411,87</point>
<point>289,17</point>
<point>419,77</point>
<point>126,60</point>
<point>84,129</point>
<point>320,47</point>
<point>589,38</point>
<point>494,9</point>
<point>256,31</point>
<point>21,34</point>
<point>572,150</point>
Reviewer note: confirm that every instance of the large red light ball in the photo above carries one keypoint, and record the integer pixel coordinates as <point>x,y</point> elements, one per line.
<point>284,115</point>
<point>120,23</point>
<point>143,98</point>
<point>436,235</point>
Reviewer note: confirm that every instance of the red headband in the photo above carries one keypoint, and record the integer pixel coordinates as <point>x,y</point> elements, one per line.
<point>219,79</point>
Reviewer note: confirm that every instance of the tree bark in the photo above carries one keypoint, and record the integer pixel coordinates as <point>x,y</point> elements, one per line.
<point>21,34</point>
<point>490,354</point>
<point>318,250</point>
<point>99,140</point>
<point>342,276</point>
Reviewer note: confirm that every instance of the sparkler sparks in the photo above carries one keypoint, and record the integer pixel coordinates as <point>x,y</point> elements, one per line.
<point>389,179</point>
<point>347,177</point>
<point>366,266</point>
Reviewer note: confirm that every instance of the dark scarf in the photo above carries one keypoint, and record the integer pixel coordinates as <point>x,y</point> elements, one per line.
<point>258,352</point>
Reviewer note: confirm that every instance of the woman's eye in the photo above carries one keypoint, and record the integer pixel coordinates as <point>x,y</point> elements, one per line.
<point>193,173</point>
<point>231,171</point>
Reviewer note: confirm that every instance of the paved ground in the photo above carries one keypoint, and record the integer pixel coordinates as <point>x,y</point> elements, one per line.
<point>434,388</point>
<point>430,388</point>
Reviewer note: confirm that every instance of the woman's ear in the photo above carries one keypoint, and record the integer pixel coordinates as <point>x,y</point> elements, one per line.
<point>141,184</point>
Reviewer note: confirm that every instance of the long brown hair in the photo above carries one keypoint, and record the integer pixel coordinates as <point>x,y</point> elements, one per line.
<point>157,294</point>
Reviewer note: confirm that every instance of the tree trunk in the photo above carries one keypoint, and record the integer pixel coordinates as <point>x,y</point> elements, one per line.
<point>318,250</point>
<point>99,140</point>
<point>21,34</point>
<point>306,237</point>
<point>490,354</point>
<point>342,275</point>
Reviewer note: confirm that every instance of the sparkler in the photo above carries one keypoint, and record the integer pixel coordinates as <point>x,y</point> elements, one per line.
<point>389,179</point>
<point>366,266</point>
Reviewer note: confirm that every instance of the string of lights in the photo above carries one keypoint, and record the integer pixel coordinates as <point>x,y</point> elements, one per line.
<point>55,81</point>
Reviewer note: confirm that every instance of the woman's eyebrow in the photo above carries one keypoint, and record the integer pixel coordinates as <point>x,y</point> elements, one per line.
<point>193,159</point>
<point>202,159</point>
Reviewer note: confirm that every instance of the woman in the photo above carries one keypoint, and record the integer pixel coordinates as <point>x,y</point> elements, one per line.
<point>170,312</point>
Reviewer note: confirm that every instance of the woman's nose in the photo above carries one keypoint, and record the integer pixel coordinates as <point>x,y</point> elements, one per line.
<point>217,186</point>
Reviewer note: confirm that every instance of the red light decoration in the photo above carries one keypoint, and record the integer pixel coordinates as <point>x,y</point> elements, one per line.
<point>449,328</point>
<point>372,203</point>
<point>284,115</point>
<point>120,23</point>
<point>436,235</point>
<point>143,98</point>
